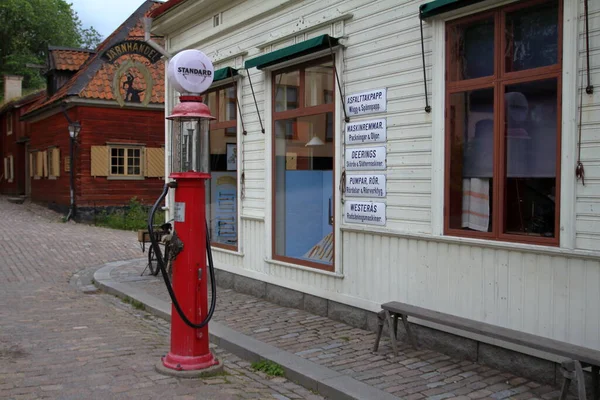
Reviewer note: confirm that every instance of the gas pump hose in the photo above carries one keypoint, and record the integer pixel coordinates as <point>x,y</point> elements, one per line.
<point>161,264</point>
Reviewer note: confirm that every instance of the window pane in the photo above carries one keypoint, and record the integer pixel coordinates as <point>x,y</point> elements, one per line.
<point>287,86</point>
<point>227,104</point>
<point>471,50</point>
<point>471,137</point>
<point>530,136</point>
<point>318,85</point>
<point>532,37</point>
<point>222,187</point>
<point>211,102</point>
<point>304,189</point>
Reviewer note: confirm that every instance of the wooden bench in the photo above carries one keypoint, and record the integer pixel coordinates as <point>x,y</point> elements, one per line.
<point>578,357</point>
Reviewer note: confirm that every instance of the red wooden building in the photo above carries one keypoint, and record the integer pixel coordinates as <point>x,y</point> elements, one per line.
<point>13,136</point>
<point>115,94</point>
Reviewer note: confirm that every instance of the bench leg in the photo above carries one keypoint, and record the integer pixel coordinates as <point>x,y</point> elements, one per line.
<point>411,337</point>
<point>596,383</point>
<point>566,370</point>
<point>388,318</point>
<point>564,391</point>
<point>380,322</point>
<point>580,380</point>
<point>396,326</point>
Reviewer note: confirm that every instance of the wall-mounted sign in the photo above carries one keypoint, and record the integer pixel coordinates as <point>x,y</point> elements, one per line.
<point>190,71</point>
<point>132,83</point>
<point>364,212</point>
<point>371,102</point>
<point>372,131</point>
<point>131,47</point>
<point>366,158</point>
<point>365,185</point>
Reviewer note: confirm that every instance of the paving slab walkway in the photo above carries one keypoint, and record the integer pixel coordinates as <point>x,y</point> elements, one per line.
<point>414,374</point>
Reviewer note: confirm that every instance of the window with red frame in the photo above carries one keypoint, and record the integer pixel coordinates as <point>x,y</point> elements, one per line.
<point>503,114</point>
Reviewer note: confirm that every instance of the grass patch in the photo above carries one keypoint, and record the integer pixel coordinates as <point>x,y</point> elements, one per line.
<point>345,338</point>
<point>268,367</point>
<point>138,305</point>
<point>132,217</point>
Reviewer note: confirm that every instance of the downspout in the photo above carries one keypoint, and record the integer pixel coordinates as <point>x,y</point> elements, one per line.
<point>148,38</point>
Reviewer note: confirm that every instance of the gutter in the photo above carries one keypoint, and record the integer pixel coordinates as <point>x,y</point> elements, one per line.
<point>148,38</point>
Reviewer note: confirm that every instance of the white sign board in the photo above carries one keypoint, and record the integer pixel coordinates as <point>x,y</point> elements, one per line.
<point>372,131</point>
<point>366,158</point>
<point>371,102</point>
<point>190,71</point>
<point>179,212</point>
<point>364,212</point>
<point>365,185</point>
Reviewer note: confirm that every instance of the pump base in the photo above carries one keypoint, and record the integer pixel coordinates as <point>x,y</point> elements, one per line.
<point>189,367</point>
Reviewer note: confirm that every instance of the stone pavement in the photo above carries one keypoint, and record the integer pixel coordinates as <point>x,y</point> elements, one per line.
<point>58,343</point>
<point>415,374</point>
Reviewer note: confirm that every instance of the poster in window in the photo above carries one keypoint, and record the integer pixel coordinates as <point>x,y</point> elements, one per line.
<point>231,156</point>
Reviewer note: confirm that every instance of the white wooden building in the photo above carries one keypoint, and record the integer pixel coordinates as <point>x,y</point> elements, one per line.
<point>435,226</point>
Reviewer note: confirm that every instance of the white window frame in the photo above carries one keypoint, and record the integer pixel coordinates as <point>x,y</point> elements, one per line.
<point>11,166</point>
<point>9,124</point>
<point>569,116</point>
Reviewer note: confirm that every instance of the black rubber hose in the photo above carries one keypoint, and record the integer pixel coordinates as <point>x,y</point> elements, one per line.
<point>161,264</point>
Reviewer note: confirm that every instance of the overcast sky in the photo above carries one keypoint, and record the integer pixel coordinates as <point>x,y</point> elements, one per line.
<point>105,15</point>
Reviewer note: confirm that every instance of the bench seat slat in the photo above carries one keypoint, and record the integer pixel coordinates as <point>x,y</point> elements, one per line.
<point>563,349</point>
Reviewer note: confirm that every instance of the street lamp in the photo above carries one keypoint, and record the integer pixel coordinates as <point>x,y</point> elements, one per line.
<point>74,129</point>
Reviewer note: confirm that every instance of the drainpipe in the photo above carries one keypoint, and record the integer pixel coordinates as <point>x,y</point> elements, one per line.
<point>148,38</point>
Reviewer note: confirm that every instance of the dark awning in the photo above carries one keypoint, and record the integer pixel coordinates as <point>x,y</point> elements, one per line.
<point>287,53</point>
<point>441,6</point>
<point>224,73</point>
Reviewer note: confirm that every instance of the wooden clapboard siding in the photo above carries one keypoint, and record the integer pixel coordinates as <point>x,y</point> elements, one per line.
<point>45,134</point>
<point>588,197</point>
<point>100,126</point>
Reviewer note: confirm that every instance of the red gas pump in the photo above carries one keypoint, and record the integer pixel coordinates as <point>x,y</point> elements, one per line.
<point>189,72</point>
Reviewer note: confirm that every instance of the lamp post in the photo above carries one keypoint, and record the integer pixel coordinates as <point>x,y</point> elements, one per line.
<point>74,128</point>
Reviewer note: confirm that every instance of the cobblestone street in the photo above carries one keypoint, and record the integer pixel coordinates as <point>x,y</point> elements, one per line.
<point>56,342</point>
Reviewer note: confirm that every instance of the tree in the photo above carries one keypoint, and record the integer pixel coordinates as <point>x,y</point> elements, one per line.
<point>90,38</point>
<point>28,27</point>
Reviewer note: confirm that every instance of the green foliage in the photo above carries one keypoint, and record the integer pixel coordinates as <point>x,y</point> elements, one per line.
<point>28,27</point>
<point>131,218</point>
<point>90,38</point>
<point>268,367</point>
<point>138,305</point>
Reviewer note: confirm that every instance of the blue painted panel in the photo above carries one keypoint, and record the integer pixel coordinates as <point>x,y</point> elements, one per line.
<point>307,196</point>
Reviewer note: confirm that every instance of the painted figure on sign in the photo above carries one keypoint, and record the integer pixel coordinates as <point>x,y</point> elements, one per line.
<point>131,94</point>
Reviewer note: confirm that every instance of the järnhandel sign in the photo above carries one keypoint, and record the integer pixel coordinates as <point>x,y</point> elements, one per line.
<point>131,47</point>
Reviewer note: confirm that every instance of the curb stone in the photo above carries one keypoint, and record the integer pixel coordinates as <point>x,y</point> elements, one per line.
<point>327,382</point>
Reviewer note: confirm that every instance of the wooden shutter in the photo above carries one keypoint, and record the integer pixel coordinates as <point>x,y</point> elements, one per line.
<point>45,163</point>
<point>155,162</point>
<point>6,168</point>
<point>31,165</point>
<point>39,167</point>
<point>55,162</point>
<point>99,160</point>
